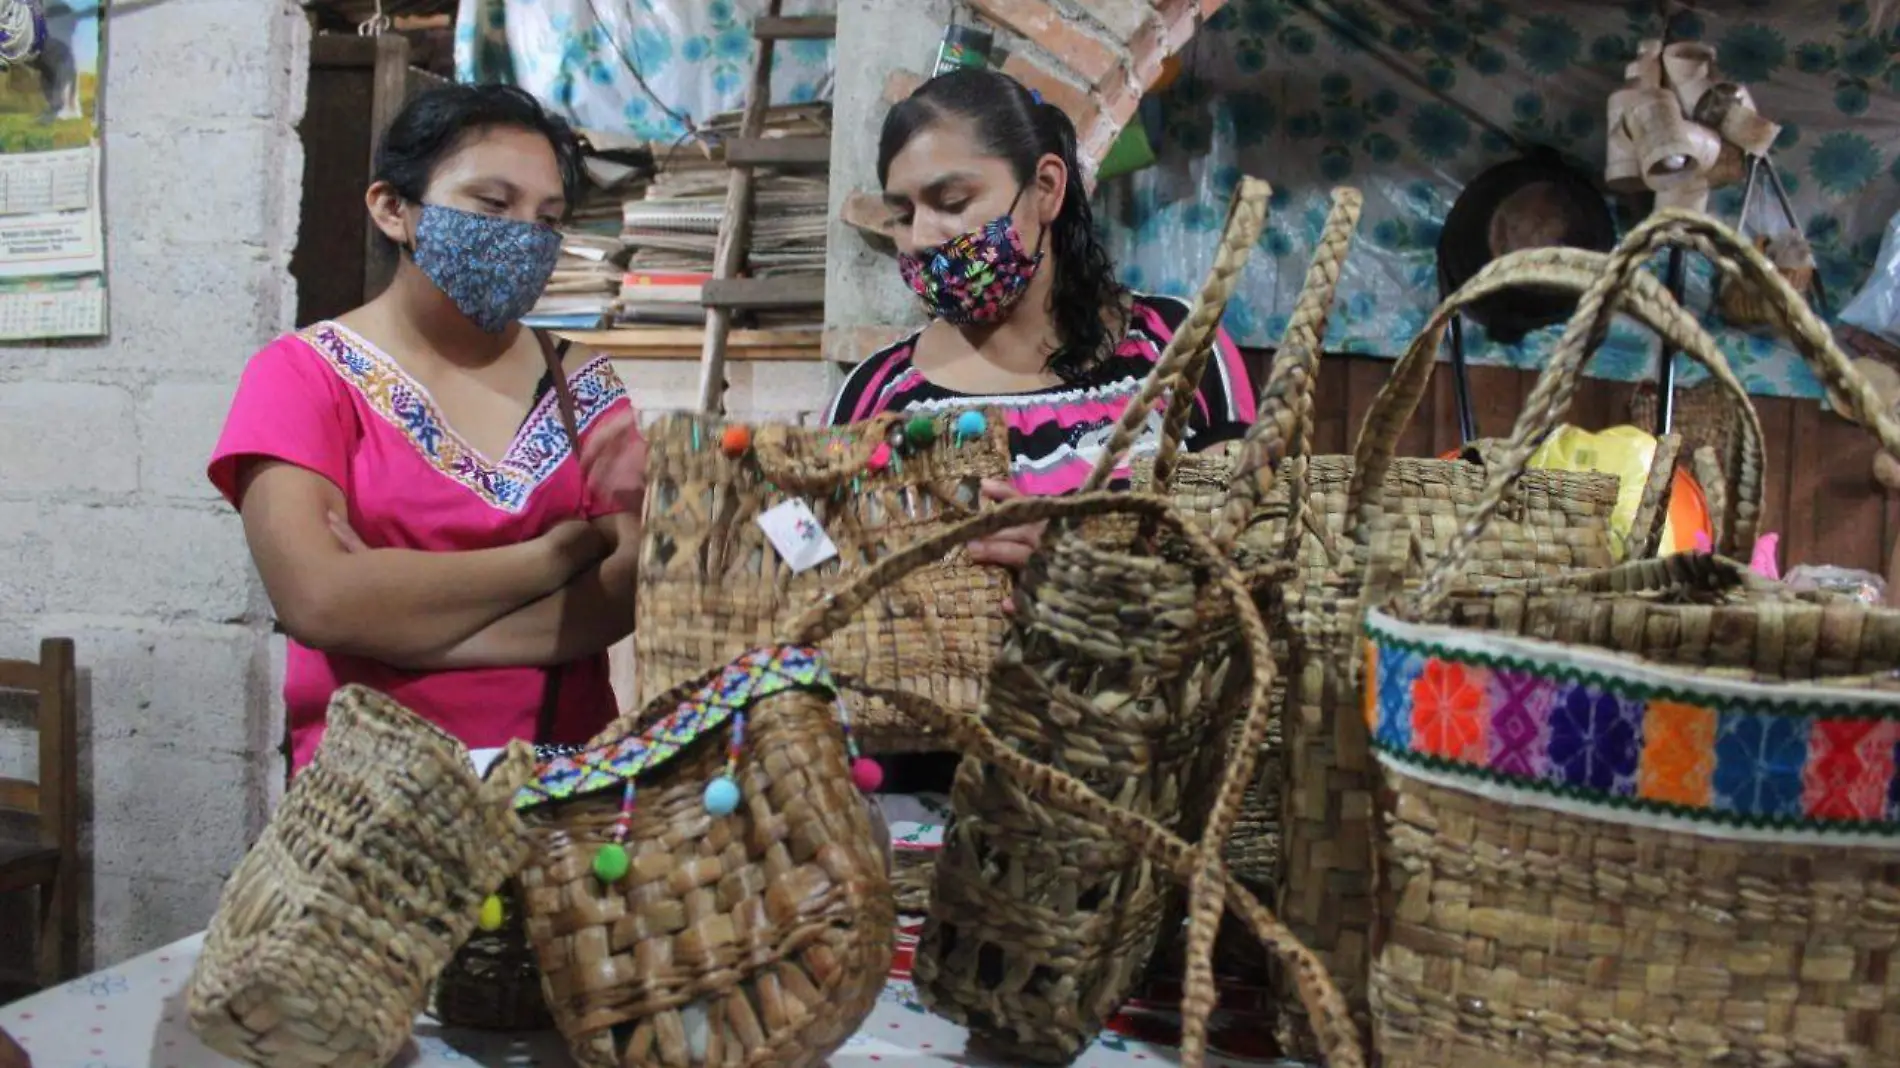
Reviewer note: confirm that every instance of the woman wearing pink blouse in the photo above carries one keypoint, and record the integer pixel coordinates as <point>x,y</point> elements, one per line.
<point>405,474</point>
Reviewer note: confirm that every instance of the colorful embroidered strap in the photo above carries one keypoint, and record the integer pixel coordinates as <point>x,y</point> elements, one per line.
<point>753,677</point>
<point>1580,730</point>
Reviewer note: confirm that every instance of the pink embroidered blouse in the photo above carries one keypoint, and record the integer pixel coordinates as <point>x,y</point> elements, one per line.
<point>329,401</point>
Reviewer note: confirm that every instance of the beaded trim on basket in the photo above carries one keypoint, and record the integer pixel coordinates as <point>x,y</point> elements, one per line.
<point>755,676</point>
<point>1583,731</point>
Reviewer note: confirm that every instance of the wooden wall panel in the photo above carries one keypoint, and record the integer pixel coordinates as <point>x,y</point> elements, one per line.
<point>1820,494</point>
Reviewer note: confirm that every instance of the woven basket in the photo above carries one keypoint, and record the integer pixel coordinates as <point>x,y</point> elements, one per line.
<point>332,928</point>
<point>1115,669</point>
<point>757,937</point>
<point>1745,305</point>
<point>1552,521</point>
<point>1070,812</point>
<point>712,586</point>
<point>1688,858</point>
<point>1647,816</point>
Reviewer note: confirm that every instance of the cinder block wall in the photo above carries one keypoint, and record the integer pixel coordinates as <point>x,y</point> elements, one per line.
<point>108,532</point>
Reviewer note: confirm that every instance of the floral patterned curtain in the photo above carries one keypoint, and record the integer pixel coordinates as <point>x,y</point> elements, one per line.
<point>581,56</point>
<point>1408,99</point>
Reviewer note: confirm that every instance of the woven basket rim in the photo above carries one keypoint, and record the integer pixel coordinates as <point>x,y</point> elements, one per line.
<point>1671,682</point>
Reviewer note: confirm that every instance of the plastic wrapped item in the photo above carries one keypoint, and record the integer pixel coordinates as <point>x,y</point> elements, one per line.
<point>1876,308</point>
<point>1864,586</point>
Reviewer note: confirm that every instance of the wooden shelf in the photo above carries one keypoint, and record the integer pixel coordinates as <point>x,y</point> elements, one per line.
<point>686,342</point>
<point>779,152</point>
<point>802,28</point>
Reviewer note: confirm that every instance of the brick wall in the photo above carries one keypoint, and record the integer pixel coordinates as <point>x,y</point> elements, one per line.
<point>109,532</point>
<point>1092,58</point>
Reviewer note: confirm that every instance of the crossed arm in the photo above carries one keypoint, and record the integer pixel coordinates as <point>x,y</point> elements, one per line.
<point>556,598</point>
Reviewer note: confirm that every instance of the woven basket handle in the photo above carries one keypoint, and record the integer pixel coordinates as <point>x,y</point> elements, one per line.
<point>1284,424</point>
<point>1736,259</point>
<point>838,607</point>
<point>1182,362</point>
<point>801,474</point>
<point>1576,270</point>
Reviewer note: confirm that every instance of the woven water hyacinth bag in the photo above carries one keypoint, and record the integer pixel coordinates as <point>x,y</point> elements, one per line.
<point>1647,816</point>
<point>370,873</point>
<point>710,888</point>
<point>1101,836</point>
<point>1552,522</point>
<point>1115,668</point>
<point>713,584</point>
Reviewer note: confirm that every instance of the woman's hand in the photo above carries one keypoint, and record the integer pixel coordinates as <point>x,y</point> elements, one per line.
<point>1009,548</point>
<point>614,459</point>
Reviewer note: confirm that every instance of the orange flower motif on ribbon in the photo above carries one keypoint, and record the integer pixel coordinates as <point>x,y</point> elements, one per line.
<point>1678,760</point>
<point>1448,712</point>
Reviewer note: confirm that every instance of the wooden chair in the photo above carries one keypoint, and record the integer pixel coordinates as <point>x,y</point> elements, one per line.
<point>51,861</point>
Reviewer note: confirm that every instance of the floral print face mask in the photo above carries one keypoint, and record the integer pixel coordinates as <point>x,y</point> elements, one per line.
<point>494,269</point>
<point>975,277</point>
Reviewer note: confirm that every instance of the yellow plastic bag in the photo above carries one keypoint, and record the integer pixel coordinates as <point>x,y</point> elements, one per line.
<point>1626,452</point>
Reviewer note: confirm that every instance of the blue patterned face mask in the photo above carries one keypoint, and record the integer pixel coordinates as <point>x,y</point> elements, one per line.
<point>494,269</point>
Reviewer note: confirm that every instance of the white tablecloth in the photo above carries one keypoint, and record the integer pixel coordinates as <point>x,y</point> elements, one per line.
<point>132,1016</point>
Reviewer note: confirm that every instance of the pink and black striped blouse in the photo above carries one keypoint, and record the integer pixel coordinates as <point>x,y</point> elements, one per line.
<point>1056,433</point>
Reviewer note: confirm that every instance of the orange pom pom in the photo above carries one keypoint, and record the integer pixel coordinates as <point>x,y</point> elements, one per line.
<point>735,441</point>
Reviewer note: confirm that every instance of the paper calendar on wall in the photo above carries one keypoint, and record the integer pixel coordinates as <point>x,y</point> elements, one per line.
<point>52,229</point>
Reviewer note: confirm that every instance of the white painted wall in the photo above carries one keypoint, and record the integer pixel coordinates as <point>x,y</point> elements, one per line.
<point>109,533</point>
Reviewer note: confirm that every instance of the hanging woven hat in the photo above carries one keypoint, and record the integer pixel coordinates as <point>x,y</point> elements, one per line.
<point>1536,201</point>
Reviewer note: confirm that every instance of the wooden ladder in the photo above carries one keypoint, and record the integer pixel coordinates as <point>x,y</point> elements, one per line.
<point>727,292</point>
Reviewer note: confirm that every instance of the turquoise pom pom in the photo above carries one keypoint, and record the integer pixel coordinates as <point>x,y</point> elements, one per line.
<point>971,425</point>
<point>722,796</point>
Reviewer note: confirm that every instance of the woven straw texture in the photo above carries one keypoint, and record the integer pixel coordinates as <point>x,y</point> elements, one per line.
<point>1517,934</point>
<point>759,938</point>
<point>711,585</point>
<point>913,872</point>
<point>1551,522</point>
<point>1113,824</point>
<point>373,869</point>
<point>1115,669</point>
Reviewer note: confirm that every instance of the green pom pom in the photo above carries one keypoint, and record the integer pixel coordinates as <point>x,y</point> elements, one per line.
<point>611,863</point>
<point>921,431</point>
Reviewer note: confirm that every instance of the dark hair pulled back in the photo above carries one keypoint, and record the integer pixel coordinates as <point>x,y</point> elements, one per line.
<point>1011,124</point>
<point>438,121</point>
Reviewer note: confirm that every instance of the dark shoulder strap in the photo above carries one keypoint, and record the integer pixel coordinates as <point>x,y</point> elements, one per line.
<point>570,421</point>
<point>563,395</point>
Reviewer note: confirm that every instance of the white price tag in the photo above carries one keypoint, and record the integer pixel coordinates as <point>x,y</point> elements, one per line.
<point>796,534</point>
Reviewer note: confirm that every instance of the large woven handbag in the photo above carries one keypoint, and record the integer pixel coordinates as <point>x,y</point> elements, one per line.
<point>713,585</point>
<point>1552,522</point>
<point>370,873</point>
<point>1115,668</point>
<point>707,887</point>
<point>1648,816</point>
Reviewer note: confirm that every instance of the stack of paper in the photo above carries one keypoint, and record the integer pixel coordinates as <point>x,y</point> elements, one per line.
<point>671,230</point>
